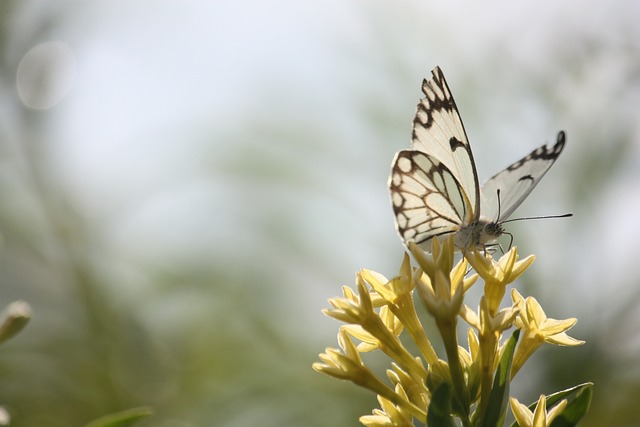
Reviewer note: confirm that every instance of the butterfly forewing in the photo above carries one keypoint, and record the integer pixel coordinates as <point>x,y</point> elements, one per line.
<point>438,131</point>
<point>518,180</point>
<point>434,186</point>
<point>427,198</point>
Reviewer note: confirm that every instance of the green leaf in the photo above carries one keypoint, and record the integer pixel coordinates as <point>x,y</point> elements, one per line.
<point>579,400</point>
<point>499,398</point>
<point>577,407</point>
<point>439,414</point>
<point>123,418</point>
<point>570,393</point>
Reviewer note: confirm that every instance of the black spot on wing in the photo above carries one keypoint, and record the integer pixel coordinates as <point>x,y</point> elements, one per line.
<point>437,98</point>
<point>526,177</point>
<point>542,153</point>
<point>455,143</point>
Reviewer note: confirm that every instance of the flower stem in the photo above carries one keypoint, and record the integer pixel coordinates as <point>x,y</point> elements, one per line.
<point>447,329</point>
<point>488,346</point>
<point>405,310</point>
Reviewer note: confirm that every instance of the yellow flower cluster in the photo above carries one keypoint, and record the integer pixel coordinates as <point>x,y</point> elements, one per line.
<point>381,310</point>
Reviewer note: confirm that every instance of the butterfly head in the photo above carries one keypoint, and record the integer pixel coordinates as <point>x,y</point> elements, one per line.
<point>491,231</point>
<point>478,234</point>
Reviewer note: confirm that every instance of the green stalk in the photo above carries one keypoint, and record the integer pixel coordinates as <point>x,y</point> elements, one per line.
<point>447,329</point>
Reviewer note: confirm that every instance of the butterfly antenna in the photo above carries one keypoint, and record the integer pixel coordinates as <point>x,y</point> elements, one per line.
<point>525,218</point>
<point>537,217</point>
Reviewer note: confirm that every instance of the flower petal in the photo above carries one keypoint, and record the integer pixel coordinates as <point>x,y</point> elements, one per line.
<point>563,339</point>
<point>553,326</point>
<point>521,413</point>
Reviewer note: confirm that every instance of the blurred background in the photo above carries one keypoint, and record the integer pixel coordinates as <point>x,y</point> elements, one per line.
<point>183,185</point>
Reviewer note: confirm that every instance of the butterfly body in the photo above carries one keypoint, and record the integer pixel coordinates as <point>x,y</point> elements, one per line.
<point>434,185</point>
<point>478,234</point>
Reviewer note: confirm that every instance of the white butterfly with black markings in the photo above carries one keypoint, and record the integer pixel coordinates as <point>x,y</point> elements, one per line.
<point>434,185</point>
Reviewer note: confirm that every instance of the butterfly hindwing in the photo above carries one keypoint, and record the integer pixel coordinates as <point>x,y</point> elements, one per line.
<point>518,180</point>
<point>434,185</point>
<point>438,131</point>
<point>427,198</point>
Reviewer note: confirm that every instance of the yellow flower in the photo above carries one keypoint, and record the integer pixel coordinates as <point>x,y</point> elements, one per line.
<point>490,321</point>
<point>441,286</point>
<point>352,308</point>
<point>367,341</point>
<point>393,290</point>
<point>497,275</point>
<point>344,309</point>
<point>347,365</point>
<point>376,332</point>
<point>389,416</point>
<point>397,309</point>
<point>416,391</point>
<point>539,417</point>
<point>486,322</point>
<point>471,362</point>
<point>537,328</point>
<point>381,309</point>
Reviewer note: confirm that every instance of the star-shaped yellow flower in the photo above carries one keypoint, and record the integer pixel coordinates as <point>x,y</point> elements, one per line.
<point>498,274</point>
<point>537,328</point>
<point>539,417</point>
<point>389,415</point>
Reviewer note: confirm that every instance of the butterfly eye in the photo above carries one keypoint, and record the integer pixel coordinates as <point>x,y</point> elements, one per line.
<point>493,229</point>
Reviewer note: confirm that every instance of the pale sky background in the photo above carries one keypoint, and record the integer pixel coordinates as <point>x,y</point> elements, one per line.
<point>155,87</point>
<point>165,106</point>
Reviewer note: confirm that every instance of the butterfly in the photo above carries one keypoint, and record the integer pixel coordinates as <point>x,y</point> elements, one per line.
<point>434,185</point>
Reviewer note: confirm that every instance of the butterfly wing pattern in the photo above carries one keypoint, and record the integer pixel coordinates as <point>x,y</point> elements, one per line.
<point>439,132</point>
<point>427,198</point>
<point>517,180</point>
<point>434,185</point>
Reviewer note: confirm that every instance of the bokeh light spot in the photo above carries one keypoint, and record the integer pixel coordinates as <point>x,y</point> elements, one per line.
<point>45,75</point>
